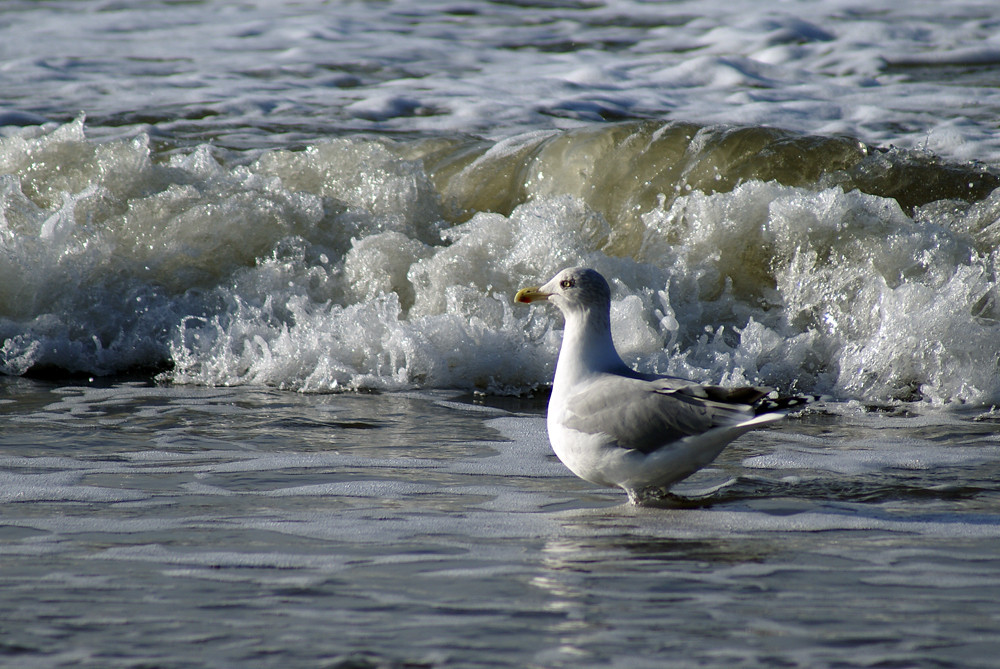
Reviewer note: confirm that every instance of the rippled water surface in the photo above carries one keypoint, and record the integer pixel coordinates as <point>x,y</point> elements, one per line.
<point>159,526</point>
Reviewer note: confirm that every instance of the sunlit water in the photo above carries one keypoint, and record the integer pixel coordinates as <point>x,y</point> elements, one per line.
<point>159,526</point>
<point>267,401</point>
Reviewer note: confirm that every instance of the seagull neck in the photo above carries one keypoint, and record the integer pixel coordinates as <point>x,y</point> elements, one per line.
<point>587,348</point>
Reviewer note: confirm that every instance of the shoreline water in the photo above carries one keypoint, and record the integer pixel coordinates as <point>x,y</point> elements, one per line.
<point>408,528</point>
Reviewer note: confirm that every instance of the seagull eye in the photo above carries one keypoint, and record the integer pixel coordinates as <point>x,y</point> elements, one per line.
<point>567,283</point>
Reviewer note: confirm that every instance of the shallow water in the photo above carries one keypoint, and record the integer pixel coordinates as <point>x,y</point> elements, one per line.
<point>171,526</point>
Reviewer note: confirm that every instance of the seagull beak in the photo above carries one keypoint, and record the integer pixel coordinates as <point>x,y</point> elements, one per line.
<point>529,295</point>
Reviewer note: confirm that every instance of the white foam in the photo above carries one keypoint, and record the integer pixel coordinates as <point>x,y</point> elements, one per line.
<point>500,70</point>
<point>336,267</point>
<point>873,303</point>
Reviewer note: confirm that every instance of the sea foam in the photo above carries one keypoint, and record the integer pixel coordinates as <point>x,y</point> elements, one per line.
<point>368,263</point>
<point>268,74</point>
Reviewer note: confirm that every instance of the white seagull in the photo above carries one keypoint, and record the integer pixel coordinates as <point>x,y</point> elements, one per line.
<point>614,426</point>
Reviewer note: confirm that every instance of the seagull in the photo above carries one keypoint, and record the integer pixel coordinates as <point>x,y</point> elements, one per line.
<point>614,426</point>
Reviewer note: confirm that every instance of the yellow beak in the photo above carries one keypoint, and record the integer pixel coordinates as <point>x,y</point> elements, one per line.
<point>529,295</point>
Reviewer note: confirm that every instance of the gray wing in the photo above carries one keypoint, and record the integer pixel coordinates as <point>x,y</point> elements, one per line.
<point>646,415</point>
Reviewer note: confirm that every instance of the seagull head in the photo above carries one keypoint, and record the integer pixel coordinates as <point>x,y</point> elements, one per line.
<point>576,289</point>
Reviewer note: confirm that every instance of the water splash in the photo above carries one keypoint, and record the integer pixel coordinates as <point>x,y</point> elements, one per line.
<point>371,263</point>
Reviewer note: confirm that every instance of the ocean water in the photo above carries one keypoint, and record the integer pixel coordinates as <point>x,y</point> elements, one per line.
<point>266,400</point>
<point>176,526</point>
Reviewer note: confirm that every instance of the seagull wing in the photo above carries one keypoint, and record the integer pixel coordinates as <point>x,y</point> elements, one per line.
<point>648,415</point>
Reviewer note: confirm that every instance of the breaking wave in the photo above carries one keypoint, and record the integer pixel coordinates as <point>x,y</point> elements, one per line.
<point>735,254</point>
